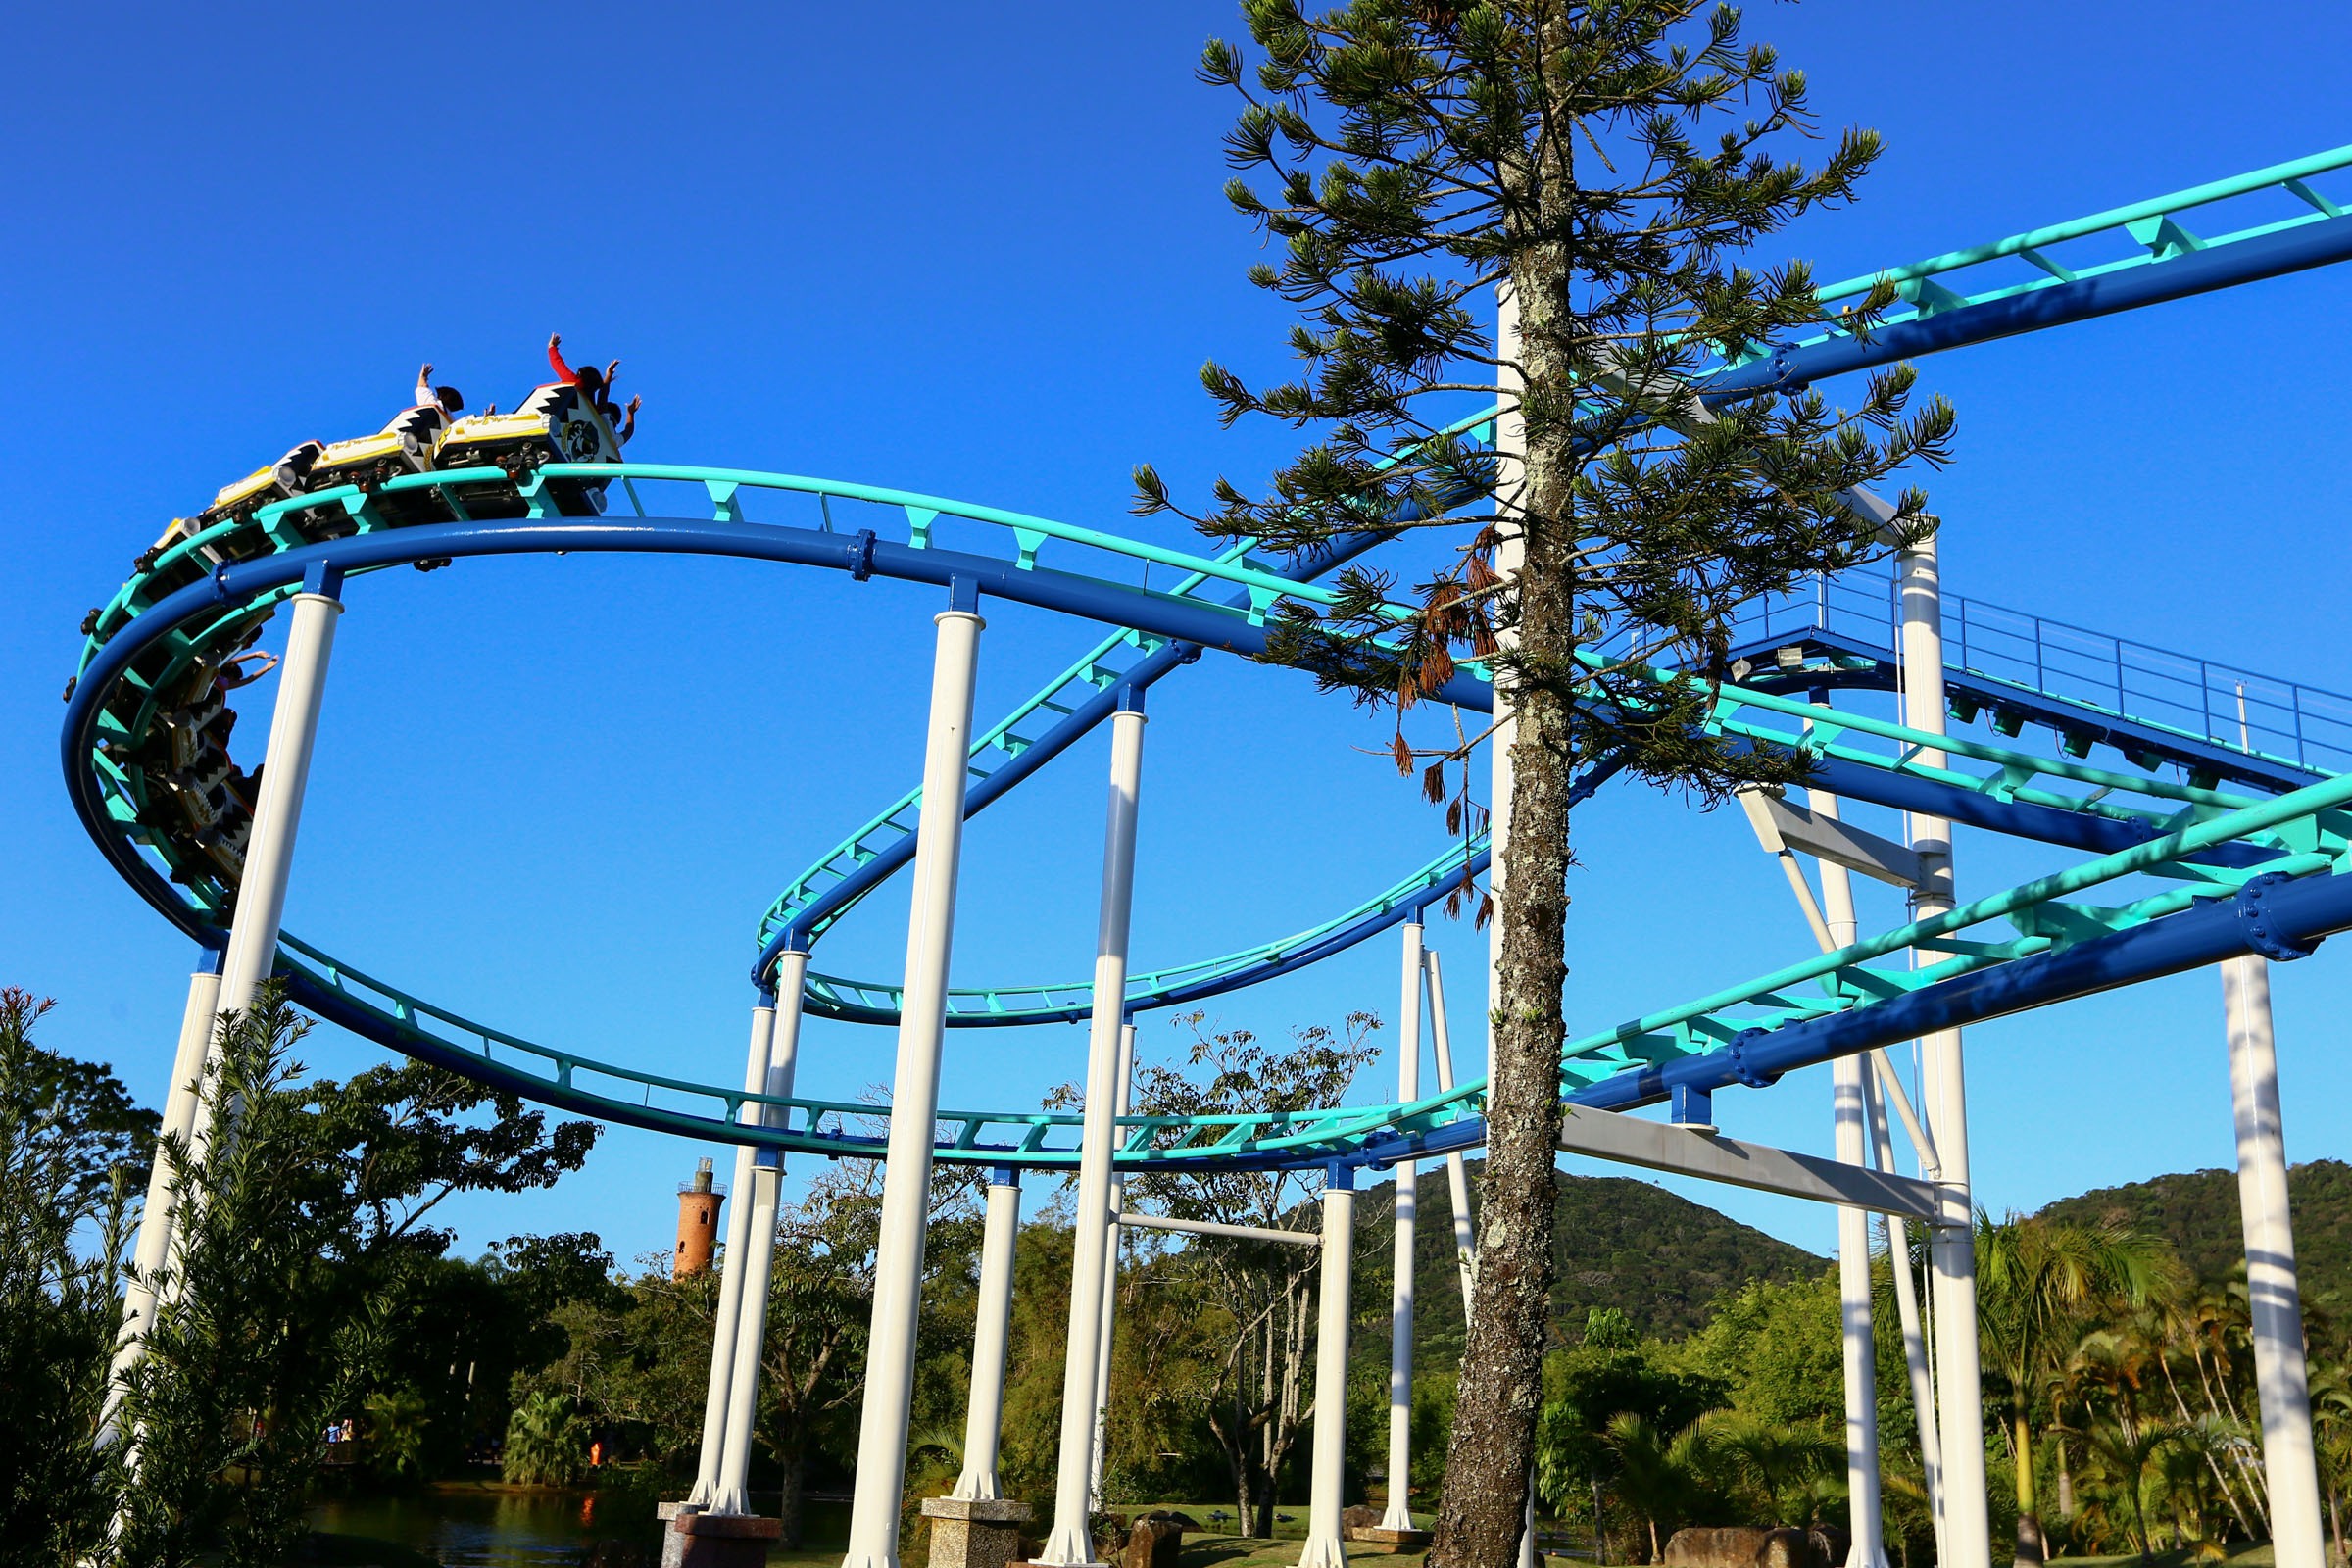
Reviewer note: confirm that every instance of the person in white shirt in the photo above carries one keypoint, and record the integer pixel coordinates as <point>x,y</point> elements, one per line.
<point>430,396</point>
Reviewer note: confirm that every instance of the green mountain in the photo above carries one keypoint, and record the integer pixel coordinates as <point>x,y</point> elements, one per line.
<point>2198,1213</point>
<point>1658,1258</point>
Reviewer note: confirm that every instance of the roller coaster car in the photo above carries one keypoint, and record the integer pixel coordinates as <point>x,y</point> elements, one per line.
<point>289,476</point>
<point>555,424</point>
<point>405,446</point>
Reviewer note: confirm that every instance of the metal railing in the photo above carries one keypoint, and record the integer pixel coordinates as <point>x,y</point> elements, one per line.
<point>2222,705</point>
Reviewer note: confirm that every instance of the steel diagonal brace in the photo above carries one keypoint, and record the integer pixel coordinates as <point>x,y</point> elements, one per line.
<point>1687,1151</point>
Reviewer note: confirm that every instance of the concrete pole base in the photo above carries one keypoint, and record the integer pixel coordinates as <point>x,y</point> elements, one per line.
<point>1395,1540</point>
<point>698,1540</point>
<point>975,1532</point>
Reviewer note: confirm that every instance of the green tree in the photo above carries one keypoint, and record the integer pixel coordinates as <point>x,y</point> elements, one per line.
<point>397,1422</point>
<point>1609,1378</point>
<point>1419,158</point>
<point>252,1349</point>
<point>2039,1284</point>
<point>1777,1347</point>
<point>1256,1403</point>
<point>1657,1472</point>
<point>1780,1462</point>
<point>547,1443</point>
<point>62,1244</point>
<point>2126,1461</point>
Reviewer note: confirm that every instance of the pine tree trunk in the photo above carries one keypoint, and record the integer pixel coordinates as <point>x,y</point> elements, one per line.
<point>1490,1459</point>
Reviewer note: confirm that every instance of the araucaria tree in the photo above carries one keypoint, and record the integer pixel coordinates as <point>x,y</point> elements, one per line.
<point>1605,170</point>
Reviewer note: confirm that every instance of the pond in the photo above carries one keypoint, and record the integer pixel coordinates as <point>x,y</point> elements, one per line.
<point>495,1526</point>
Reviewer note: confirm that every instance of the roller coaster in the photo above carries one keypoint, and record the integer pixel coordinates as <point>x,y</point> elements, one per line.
<point>2201,812</point>
<point>2236,826</point>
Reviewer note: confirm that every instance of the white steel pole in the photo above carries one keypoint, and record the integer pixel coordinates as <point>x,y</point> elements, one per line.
<point>1906,1310</point>
<point>261,905</point>
<point>1457,1180</point>
<point>758,1265</point>
<point>1071,1541</point>
<point>2273,1299</point>
<point>1510,451</point>
<point>1100,1448</point>
<point>1849,1122</point>
<point>1968,1534</point>
<point>154,1247</point>
<point>1324,1548</point>
<point>1399,1515</point>
<point>984,1417</point>
<point>277,812</point>
<point>914,1100</point>
<point>732,1268</point>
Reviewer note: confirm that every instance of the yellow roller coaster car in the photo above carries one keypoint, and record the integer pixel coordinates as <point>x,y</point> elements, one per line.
<point>557,423</point>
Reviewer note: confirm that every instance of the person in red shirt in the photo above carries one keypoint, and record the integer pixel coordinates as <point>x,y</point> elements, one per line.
<point>596,388</point>
<point>595,385</point>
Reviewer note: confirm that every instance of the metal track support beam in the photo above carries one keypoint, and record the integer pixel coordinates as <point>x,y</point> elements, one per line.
<point>1324,1547</point>
<point>914,1096</point>
<point>732,1268</point>
<point>1071,1541</point>
<point>2274,1303</point>
<point>1399,1515</point>
<point>991,1330</point>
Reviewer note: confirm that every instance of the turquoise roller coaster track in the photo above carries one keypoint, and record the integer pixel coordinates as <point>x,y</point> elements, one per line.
<point>2177,861</point>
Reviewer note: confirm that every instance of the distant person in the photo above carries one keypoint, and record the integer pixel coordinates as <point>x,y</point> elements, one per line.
<point>629,426</point>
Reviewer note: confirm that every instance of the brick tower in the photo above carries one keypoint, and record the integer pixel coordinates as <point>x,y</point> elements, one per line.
<point>698,1224</point>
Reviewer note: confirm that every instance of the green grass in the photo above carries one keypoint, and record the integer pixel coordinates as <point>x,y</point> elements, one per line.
<point>2238,1556</point>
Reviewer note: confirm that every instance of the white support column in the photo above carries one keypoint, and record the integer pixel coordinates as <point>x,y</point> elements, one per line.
<point>732,1269</point>
<point>1906,1310</point>
<point>261,905</point>
<point>757,1263</point>
<point>1865,1515</point>
<point>1399,1515</point>
<point>1457,1180</point>
<point>1324,1548</point>
<point>1100,1448</point>
<point>984,1416</point>
<point>1510,451</point>
<point>154,1247</point>
<point>277,812</point>
<point>1071,1541</point>
<point>2274,1301</point>
<point>1968,1534</point>
<point>881,1469</point>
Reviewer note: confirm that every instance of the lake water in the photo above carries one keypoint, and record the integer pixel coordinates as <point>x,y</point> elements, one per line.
<point>472,1527</point>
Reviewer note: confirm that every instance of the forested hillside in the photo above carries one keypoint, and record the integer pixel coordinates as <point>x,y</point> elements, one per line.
<point>2198,1213</point>
<point>1658,1258</point>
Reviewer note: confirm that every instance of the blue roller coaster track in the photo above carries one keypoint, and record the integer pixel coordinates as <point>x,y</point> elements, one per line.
<point>2223,825</point>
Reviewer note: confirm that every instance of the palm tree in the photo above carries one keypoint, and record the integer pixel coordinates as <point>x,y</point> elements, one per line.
<point>2037,1281</point>
<point>1781,1462</point>
<point>1656,1474</point>
<point>2332,1419</point>
<point>547,1443</point>
<point>396,1424</point>
<point>2125,1459</point>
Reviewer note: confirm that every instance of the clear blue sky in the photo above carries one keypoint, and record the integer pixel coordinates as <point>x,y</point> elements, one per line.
<point>981,251</point>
